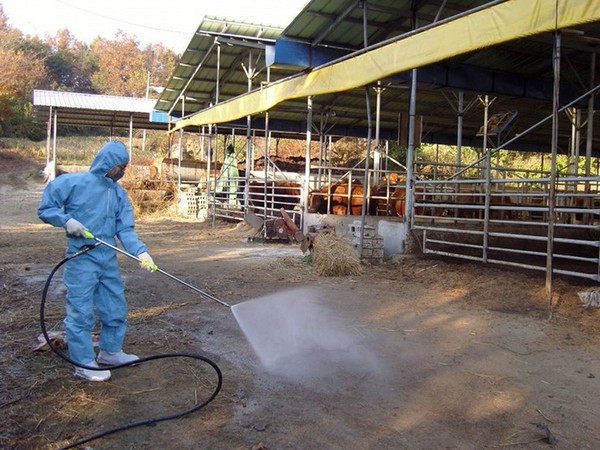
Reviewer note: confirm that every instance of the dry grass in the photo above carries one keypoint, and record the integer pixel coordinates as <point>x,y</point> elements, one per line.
<point>334,255</point>
<point>148,198</point>
<point>152,202</point>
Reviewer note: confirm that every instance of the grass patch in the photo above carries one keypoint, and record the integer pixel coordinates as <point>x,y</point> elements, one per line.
<point>80,150</point>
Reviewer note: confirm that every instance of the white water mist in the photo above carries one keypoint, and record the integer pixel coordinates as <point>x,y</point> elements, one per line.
<point>296,336</point>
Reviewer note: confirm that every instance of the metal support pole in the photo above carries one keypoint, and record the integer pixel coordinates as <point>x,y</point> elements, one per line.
<point>552,187</point>
<point>574,115</point>
<point>387,153</point>
<point>488,179</point>
<point>208,169</point>
<point>180,153</point>
<point>130,135</point>
<point>48,135</point>
<point>577,140</point>
<point>249,157</point>
<point>248,160</point>
<point>410,185</point>
<point>365,24</point>
<point>217,87</point>
<point>266,166</point>
<point>266,155</point>
<point>215,157</point>
<point>590,120</point>
<point>321,148</point>
<point>147,96</point>
<point>202,143</point>
<point>363,210</point>
<point>590,136</point>
<point>368,155</point>
<point>377,151</point>
<point>459,127</point>
<point>54,143</point>
<point>309,120</point>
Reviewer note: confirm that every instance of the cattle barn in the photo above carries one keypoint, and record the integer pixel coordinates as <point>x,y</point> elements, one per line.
<point>512,75</point>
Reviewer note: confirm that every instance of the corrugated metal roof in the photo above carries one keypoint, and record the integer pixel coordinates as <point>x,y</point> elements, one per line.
<point>212,68</point>
<point>95,110</point>
<point>340,23</point>
<point>517,74</point>
<point>91,101</point>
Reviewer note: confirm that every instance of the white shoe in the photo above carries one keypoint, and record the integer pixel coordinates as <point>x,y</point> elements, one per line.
<point>115,358</point>
<point>92,375</point>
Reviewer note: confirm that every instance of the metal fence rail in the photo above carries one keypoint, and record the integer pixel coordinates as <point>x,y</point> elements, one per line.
<point>505,221</point>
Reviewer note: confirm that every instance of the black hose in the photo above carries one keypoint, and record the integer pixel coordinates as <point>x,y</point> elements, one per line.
<point>138,361</point>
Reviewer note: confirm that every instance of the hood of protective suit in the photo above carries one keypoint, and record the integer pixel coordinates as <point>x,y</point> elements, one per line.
<point>110,155</point>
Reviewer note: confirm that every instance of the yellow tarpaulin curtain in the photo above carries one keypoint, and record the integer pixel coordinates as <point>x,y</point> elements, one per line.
<point>507,21</point>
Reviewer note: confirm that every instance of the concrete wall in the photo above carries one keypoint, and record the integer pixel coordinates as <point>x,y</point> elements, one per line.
<point>392,229</point>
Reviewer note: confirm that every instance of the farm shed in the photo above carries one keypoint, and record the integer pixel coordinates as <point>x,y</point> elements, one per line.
<point>514,74</point>
<point>92,110</point>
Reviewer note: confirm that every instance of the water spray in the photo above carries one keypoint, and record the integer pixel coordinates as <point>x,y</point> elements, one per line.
<point>297,324</point>
<point>301,340</point>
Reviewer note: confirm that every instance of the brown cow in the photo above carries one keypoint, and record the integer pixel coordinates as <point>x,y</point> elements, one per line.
<point>395,205</point>
<point>330,199</point>
<point>279,194</point>
<point>341,202</point>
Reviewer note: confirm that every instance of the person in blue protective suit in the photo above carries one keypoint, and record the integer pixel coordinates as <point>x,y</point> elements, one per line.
<point>94,201</point>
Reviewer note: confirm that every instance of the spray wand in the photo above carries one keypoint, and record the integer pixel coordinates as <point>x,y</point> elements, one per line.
<point>55,349</point>
<point>154,268</point>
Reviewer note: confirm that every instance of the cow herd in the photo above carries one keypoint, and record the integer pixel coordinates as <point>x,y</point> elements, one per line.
<point>345,197</point>
<point>340,198</point>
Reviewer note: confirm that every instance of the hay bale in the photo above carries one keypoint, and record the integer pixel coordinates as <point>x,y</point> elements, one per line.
<point>334,255</point>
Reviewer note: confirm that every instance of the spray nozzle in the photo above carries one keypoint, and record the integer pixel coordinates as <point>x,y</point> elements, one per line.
<point>152,267</point>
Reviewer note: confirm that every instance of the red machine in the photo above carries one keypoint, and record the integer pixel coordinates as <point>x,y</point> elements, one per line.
<point>279,228</point>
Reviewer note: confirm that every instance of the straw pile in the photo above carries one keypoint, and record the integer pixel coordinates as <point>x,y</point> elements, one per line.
<point>334,255</point>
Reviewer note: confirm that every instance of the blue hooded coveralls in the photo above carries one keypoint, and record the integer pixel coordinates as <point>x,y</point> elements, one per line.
<point>93,279</point>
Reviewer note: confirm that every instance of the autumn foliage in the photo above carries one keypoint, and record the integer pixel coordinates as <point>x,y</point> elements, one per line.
<point>61,62</point>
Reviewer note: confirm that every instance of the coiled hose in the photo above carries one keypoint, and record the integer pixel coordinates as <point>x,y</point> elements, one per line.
<point>138,361</point>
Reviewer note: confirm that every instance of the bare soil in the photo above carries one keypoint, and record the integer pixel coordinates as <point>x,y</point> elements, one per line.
<point>446,354</point>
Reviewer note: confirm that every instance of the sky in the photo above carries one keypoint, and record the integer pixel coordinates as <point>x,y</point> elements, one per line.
<point>150,21</point>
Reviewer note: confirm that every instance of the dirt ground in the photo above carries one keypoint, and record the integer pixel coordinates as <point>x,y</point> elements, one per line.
<point>432,353</point>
